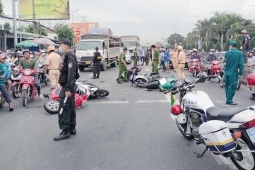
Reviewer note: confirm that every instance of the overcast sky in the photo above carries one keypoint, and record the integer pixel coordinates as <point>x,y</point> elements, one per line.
<point>151,20</point>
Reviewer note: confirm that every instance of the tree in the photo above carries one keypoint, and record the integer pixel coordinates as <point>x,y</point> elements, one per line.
<point>210,46</point>
<point>252,43</point>
<point>204,47</point>
<point>38,29</point>
<point>1,8</point>
<point>179,39</point>
<point>7,26</point>
<point>226,47</point>
<point>238,44</point>
<point>64,31</point>
<point>218,47</point>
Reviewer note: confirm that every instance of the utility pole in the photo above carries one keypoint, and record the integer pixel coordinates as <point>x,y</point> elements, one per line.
<point>20,38</point>
<point>14,23</point>
<point>222,30</point>
<point>33,3</point>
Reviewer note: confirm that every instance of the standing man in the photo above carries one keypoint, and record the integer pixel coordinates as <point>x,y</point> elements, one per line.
<point>155,59</point>
<point>234,68</point>
<point>174,57</point>
<point>147,59</point>
<point>122,66</point>
<point>28,63</point>
<point>181,63</point>
<point>68,76</point>
<point>167,59</point>
<point>142,58</point>
<point>245,45</point>
<point>135,54</point>
<point>52,66</point>
<point>96,64</point>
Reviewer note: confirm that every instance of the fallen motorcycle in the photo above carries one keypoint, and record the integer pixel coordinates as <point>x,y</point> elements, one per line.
<point>94,91</point>
<point>162,84</point>
<point>227,132</point>
<point>52,104</point>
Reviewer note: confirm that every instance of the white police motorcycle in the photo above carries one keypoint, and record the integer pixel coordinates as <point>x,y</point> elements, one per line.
<point>228,132</point>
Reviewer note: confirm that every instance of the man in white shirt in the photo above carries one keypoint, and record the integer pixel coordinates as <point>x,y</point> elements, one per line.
<point>251,61</point>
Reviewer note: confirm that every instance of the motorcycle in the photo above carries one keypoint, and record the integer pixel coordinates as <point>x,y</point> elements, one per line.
<point>213,69</point>
<point>52,104</point>
<point>2,100</point>
<point>228,132</point>
<point>162,84</point>
<point>16,86</point>
<point>251,84</point>
<point>223,80</point>
<point>27,83</point>
<point>41,76</point>
<point>195,68</point>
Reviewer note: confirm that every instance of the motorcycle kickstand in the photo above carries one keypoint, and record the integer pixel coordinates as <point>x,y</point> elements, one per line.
<point>201,155</point>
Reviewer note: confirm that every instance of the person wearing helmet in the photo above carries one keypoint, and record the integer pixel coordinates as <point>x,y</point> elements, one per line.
<point>3,78</point>
<point>96,64</point>
<point>181,63</point>
<point>20,57</point>
<point>28,63</point>
<point>245,45</point>
<point>195,54</point>
<point>211,57</point>
<point>251,61</point>
<point>53,65</point>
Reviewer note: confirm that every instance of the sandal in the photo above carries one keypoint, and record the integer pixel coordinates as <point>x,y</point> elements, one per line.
<point>11,108</point>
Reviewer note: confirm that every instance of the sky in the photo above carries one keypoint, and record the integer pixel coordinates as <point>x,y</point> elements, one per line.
<point>152,21</point>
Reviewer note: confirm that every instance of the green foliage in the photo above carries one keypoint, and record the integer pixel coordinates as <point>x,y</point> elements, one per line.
<point>1,8</point>
<point>175,38</point>
<point>210,46</point>
<point>238,44</point>
<point>7,26</point>
<point>226,47</point>
<point>38,29</point>
<point>252,43</point>
<point>64,31</point>
<point>218,47</point>
<point>204,47</point>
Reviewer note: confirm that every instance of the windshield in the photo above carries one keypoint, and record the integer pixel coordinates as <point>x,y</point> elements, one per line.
<point>129,44</point>
<point>89,45</point>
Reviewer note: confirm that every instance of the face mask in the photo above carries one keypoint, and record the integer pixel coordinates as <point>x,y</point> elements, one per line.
<point>60,50</point>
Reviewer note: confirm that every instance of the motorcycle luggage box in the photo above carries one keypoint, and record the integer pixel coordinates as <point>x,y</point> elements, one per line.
<point>251,79</point>
<point>217,135</point>
<point>152,85</point>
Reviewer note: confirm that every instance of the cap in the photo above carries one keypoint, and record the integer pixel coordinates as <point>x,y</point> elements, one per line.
<point>26,50</point>
<point>195,50</point>
<point>232,42</point>
<point>211,50</point>
<point>96,48</point>
<point>125,49</point>
<point>251,51</point>
<point>51,48</point>
<point>2,56</point>
<point>244,31</point>
<point>66,42</point>
<point>180,48</point>
<point>20,54</point>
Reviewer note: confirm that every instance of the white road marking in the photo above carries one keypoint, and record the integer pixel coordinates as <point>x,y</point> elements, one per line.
<point>153,101</point>
<point>110,102</point>
<point>90,75</point>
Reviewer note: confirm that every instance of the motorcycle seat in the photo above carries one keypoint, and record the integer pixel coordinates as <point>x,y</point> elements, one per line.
<point>223,114</point>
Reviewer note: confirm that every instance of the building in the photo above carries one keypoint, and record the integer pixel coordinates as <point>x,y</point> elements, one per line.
<point>80,29</point>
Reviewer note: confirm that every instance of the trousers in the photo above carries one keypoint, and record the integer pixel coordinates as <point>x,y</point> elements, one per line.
<point>230,87</point>
<point>180,71</point>
<point>122,69</point>
<point>67,119</point>
<point>175,63</point>
<point>155,67</point>
<point>96,69</point>
<point>5,94</point>
<point>54,76</point>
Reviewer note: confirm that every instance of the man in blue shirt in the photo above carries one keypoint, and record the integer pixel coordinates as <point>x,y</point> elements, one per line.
<point>245,45</point>
<point>166,59</point>
<point>195,55</point>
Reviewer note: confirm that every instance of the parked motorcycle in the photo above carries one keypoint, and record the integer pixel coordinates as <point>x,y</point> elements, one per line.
<point>195,68</point>
<point>41,75</point>
<point>162,84</point>
<point>28,87</point>
<point>16,86</point>
<point>52,104</point>
<point>228,132</point>
<point>214,70</point>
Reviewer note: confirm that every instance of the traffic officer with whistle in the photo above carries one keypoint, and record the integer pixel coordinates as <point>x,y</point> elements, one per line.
<point>68,75</point>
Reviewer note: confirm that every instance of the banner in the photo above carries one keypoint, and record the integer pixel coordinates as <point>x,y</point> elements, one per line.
<point>44,9</point>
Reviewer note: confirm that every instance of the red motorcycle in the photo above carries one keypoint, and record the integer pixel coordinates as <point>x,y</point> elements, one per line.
<point>195,68</point>
<point>52,104</point>
<point>16,87</point>
<point>27,83</point>
<point>214,70</point>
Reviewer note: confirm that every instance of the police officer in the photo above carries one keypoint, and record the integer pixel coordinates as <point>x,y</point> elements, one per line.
<point>156,59</point>
<point>122,66</point>
<point>96,64</point>
<point>234,62</point>
<point>68,75</point>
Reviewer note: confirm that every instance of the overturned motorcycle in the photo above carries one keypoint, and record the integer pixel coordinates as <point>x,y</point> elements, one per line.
<point>162,84</point>
<point>228,132</point>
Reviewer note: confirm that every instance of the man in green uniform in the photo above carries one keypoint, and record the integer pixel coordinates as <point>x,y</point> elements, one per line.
<point>122,66</point>
<point>155,59</point>
<point>234,68</point>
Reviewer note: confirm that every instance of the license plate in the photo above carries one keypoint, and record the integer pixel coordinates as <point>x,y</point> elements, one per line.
<point>88,62</point>
<point>251,134</point>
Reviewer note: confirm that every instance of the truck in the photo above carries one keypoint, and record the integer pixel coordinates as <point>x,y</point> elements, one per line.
<point>109,47</point>
<point>130,42</point>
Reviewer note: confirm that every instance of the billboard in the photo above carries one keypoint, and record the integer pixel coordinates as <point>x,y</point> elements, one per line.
<point>80,29</point>
<point>44,9</point>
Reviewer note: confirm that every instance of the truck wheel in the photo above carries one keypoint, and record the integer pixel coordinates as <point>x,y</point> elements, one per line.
<point>103,67</point>
<point>115,63</point>
<point>81,68</point>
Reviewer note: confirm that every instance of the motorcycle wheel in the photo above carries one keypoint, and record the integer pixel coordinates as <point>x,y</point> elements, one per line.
<point>244,160</point>
<point>140,82</point>
<point>2,100</point>
<point>101,93</point>
<point>45,81</point>
<point>51,106</point>
<point>183,129</point>
<point>194,72</point>
<point>15,92</point>
<point>238,84</point>
<point>25,97</point>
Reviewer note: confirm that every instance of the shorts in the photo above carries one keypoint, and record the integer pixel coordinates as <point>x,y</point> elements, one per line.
<point>166,63</point>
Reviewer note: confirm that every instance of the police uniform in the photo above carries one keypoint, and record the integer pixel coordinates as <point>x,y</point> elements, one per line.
<point>122,67</point>
<point>234,62</point>
<point>68,75</point>
<point>96,64</point>
<point>155,61</point>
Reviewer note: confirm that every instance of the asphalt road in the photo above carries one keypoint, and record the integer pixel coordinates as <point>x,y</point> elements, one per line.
<point>130,129</point>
